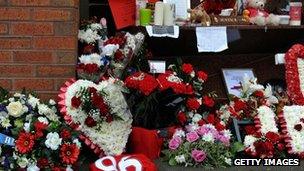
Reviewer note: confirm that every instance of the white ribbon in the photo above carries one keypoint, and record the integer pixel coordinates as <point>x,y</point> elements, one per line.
<point>123,164</point>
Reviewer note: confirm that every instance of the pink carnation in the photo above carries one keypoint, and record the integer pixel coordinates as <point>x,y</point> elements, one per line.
<point>175,143</point>
<point>192,136</point>
<point>198,155</point>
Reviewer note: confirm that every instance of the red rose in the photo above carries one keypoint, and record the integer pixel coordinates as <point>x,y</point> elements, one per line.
<point>208,101</point>
<point>202,76</point>
<point>298,127</point>
<point>42,163</point>
<point>90,122</point>
<point>193,104</point>
<point>239,105</point>
<point>76,102</point>
<point>258,93</point>
<point>182,118</point>
<point>189,90</point>
<point>211,118</point>
<point>88,49</point>
<point>250,129</point>
<point>118,55</point>
<point>201,122</point>
<point>273,137</point>
<point>179,88</point>
<point>98,102</point>
<point>91,68</point>
<point>258,134</point>
<point>281,146</point>
<point>65,134</point>
<point>80,66</point>
<point>38,134</point>
<point>148,84</point>
<point>187,68</point>
<point>220,127</point>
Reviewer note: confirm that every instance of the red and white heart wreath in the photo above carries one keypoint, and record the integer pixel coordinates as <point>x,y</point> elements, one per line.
<point>99,111</point>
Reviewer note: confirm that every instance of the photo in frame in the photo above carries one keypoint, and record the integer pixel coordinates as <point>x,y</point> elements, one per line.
<point>233,78</point>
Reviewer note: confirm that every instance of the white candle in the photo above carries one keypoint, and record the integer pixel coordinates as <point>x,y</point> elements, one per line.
<point>159,13</point>
<point>169,14</point>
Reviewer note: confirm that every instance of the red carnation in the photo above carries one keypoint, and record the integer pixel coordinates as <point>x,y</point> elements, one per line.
<point>182,118</point>
<point>208,101</point>
<point>298,127</point>
<point>109,118</point>
<point>239,105</point>
<point>179,88</point>
<point>91,68</point>
<point>98,102</point>
<point>90,122</point>
<point>281,146</point>
<point>193,104</point>
<point>148,84</point>
<point>65,134</point>
<point>189,90</point>
<point>250,129</point>
<point>38,134</point>
<point>211,118</point>
<point>273,137</point>
<point>92,90</point>
<point>42,163</point>
<point>220,127</point>
<point>201,122</point>
<point>40,126</point>
<point>69,153</point>
<point>187,68</point>
<point>259,94</point>
<point>25,142</point>
<point>76,102</point>
<point>118,55</point>
<point>88,49</point>
<point>202,76</point>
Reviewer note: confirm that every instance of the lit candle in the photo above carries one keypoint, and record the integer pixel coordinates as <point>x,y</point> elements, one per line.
<point>159,13</point>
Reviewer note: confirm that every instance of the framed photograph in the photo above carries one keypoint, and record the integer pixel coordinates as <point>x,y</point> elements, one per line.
<point>233,78</point>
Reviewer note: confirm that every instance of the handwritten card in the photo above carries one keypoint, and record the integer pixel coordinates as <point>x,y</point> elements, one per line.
<point>124,12</point>
<point>157,66</point>
<point>211,39</point>
<point>181,7</point>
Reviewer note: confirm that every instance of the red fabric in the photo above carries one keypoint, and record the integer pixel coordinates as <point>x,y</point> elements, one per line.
<point>216,6</point>
<point>147,164</point>
<point>147,142</point>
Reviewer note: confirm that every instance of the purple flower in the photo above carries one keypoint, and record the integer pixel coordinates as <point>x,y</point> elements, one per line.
<point>175,143</point>
<point>192,136</point>
<point>198,155</point>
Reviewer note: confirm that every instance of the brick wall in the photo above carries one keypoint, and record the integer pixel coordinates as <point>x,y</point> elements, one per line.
<point>38,44</point>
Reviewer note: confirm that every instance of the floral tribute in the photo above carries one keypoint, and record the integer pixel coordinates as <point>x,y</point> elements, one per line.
<point>265,141</point>
<point>253,95</point>
<point>42,141</point>
<point>100,112</point>
<point>184,87</point>
<point>294,60</point>
<point>204,146</point>
<point>91,32</point>
<point>292,122</point>
<point>112,56</point>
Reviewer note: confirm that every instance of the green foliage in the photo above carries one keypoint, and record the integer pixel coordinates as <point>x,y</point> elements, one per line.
<point>3,94</point>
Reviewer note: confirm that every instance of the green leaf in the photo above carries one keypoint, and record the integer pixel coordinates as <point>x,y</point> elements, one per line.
<point>237,147</point>
<point>172,162</point>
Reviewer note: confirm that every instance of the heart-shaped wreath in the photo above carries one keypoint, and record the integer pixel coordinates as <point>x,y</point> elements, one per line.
<point>99,111</point>
<point>294,60</point>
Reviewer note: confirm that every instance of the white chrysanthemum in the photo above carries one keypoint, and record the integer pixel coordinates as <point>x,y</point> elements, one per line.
<point>33,101</point>
<point>93,58</point>
<point>180,159</point>
<point>228,161</point>
<point>196,118</point>
<point>88,36</point>
<point>179,133</point>
<point>95,26</point>
<point>53,141</point>
<point>42,109</point>
<point>249,140</point>
<point>5,123</point>
<point>43,120</point>
<point>32,167</point>
<point>52,102</point>
<point>78,144</point>
<point>267,119</point>
<point>208,137</point>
